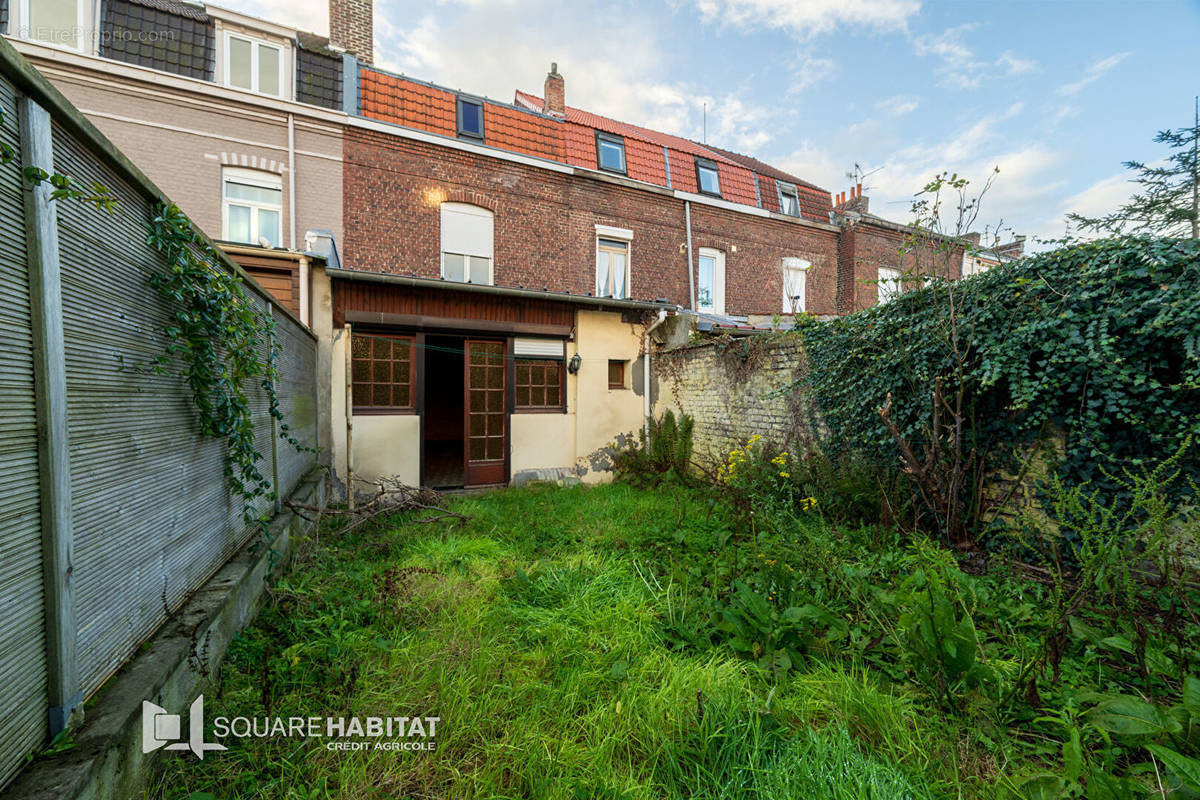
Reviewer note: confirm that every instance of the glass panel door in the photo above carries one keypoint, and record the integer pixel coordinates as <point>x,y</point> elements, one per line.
<point>486,442</point>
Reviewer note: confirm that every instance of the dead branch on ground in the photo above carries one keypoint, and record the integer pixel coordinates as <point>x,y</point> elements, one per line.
<point>389,496</point>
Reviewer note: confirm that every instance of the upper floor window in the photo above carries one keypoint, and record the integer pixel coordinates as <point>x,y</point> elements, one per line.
<point>466,243</point>
<point>795,285</point>
<point>610,152</point>
<point>888,286</point>
<point>707,177</point>
<point>252,206</point>
<point>253,64</point>
<point>612,268</point>
<point>710,283</point>
<point>59,22</point>
<point>470,118</point>
<point>789,199</point>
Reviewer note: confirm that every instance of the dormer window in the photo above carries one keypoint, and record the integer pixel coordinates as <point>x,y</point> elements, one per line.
<point>789,199</point>
<point>470,118</point>
<point>707,177</point>
<point>59,22</point>
<point>610,152</point>
<point>253,64</point>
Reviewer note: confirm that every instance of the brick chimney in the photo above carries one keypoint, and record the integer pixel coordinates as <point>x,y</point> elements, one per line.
<point>352,26</point>
<point>554,94</point>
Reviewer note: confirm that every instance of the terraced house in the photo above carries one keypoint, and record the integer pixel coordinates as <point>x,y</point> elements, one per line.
<point>483,275</point>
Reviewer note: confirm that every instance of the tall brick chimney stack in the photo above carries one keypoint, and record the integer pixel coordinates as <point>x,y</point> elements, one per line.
<point>352,26</point>
<point>554,94</point>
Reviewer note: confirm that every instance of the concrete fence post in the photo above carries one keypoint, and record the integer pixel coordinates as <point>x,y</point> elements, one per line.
<point>50,381</point>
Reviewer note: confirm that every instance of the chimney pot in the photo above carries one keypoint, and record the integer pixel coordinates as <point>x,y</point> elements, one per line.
<point>554,95</point>
<point>352,27</point>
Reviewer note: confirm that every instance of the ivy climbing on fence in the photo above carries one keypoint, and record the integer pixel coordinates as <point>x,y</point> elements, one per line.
<point>1096,343</point>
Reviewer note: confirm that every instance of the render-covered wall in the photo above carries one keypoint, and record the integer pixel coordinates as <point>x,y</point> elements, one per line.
<point>181,132</point>
<point>545,226</point>
<point>732,397</point>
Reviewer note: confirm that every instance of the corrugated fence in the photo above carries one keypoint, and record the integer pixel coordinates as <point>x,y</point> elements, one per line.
<point>136,514</point>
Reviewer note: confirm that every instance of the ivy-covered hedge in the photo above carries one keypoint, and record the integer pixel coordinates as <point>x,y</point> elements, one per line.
<point>1100,341</point>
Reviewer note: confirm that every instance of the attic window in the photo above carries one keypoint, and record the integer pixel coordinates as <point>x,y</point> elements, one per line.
<point>610,152</point>
<point>470,118</point>
<point>707,177</point>
<point>789,199</point>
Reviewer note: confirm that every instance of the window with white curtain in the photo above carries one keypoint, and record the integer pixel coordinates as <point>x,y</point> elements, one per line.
<point>251,206</point>
<point>795,285</point>
<point>888,286</point>
<point>710,281</point>
<point>612,268</point>
<point>467,243</point>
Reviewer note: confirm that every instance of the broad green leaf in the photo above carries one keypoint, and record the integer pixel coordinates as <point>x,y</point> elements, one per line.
<point>1125,715</point>
<point>1184,768</point>
<point>1191,696</point>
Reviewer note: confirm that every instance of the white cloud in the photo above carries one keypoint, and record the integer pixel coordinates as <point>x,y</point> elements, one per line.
<point>1014,64</point>
<point>807,18</point>
<point>898,106</point>
<point>960,67</point>
<point>1102,197</point>
<point>305,15</point>
<point>812,71</point>
<point>636,87</point>
<point>1094,73</point>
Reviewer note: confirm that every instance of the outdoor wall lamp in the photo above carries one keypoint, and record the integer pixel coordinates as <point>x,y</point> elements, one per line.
<point>573,364</point>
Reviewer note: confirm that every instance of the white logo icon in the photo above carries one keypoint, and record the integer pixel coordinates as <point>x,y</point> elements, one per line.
<point>159,728</point>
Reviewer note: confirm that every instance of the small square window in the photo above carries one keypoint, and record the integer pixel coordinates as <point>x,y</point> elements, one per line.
<point>616,374</point>
<point>707,177</point>
<point>789,199</point>
<point>470,118</point>
<point>610,152</point>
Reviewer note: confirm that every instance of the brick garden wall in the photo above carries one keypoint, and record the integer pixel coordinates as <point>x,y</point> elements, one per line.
<point>545,226</point>
<point>731,396</point>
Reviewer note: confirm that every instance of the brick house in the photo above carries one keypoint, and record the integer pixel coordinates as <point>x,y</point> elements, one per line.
<point>489,271</point>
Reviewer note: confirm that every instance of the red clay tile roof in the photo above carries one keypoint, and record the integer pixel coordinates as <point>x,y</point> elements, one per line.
<point>412,104</point>
<point>815,202</point>
<point>736,170</point>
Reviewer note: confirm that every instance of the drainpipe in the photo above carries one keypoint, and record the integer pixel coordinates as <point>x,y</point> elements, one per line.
<point>662,316</point>
<point>687,221</point>
<point>292,181</point>
<point>349,424</point>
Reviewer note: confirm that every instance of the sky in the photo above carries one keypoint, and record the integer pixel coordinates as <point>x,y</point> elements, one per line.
<point>1055,93</point>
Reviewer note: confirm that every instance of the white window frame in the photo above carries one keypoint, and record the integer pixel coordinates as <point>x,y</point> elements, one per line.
<point>780,186</point>
<point>250,177</point>
<point>255,44</point>
<point>792,267</point>
<point>22,28</point>
<point>479,211</point>
<point>888,287</point>
<point>617,235</point>
<point>718,289</point>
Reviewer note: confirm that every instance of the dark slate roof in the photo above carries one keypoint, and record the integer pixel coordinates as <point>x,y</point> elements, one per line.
<point>166,35</point>
<point>177,7</point>
<point>316,44</point>
<point>4,16</point>
<point>318,76</point>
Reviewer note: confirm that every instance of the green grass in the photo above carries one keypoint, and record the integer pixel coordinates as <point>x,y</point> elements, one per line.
<point>536,631</point>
